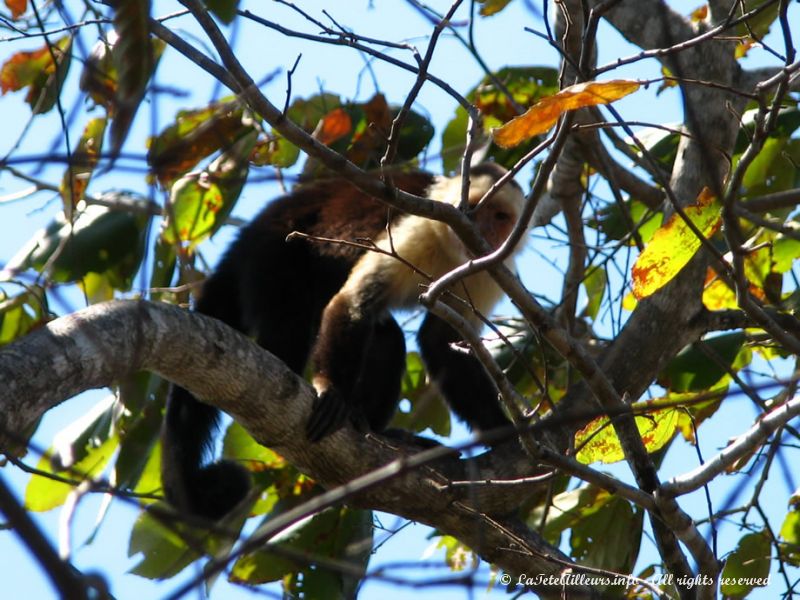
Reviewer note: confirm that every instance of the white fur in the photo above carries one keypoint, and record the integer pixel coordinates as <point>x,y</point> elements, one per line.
<point>431,247</point>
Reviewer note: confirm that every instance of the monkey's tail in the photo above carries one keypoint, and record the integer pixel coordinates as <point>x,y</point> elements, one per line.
<point>211,490</point>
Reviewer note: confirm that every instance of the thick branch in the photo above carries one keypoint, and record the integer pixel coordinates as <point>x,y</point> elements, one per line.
<point>107,342</point>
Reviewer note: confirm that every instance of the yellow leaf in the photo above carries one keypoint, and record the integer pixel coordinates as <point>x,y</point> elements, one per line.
<point>598,441</point>
<point>673,245</point>
<point>717,295</point>
<point>492,7</point>
<point>699,14</point>
<point>543,115</point>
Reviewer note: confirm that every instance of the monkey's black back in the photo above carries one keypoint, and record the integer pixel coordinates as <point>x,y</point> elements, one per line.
<point>276,290</point>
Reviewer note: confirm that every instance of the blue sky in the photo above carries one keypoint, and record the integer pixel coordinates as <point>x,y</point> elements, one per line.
<point>502,42</point>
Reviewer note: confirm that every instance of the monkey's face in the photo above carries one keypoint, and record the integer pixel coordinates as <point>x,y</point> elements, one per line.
<point>496,218</point>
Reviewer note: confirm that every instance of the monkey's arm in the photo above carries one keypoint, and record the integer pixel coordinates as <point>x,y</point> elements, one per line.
<point>355,324</point>
<point>337,360</point>
<point>460,377</point>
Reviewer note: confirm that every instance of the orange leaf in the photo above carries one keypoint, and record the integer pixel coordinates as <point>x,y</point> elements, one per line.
<point>17,7</point>
<point>673,245</point>
<point>335,125</point>
<point>39,72</point>
<point>23,68</point>
<point>699,14</point>
<point>543,115</point>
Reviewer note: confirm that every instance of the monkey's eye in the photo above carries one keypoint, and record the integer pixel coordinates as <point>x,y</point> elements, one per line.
<point>502,217</point>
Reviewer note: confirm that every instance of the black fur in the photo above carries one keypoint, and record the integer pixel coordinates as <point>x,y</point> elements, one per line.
<point>277,291</point>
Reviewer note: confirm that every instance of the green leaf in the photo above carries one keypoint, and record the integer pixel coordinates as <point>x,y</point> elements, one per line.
<point>790,534</point>
<point>616,226</point>
<point>200,202</point>
<point>457,556</point>
<point>341,534</point>
<point>773,170</point>
<point>693,371</point>
<point>84,159</point>
<point>102,241</point>
<point>144,397</point>
<point>747,567</point>
<point>567,509</point>
<point>43,494</point>
<point>661,144</point>
<point>426,409</point>
<point>224,9</point>
<point>785,250</point>
<point>787,123</point>
<point>81,451</point>
<point>492,7</point>
<point>594,283</point>
<point>21,314</point>
<point>164,552</point>
<point>609,538</point>
<point>413,137</point>
<point>240,446</point>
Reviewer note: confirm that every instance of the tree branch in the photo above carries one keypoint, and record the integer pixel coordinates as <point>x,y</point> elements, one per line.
<point>107,342</point>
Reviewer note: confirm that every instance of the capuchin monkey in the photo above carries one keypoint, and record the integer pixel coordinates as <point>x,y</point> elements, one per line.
<point>331,302</point>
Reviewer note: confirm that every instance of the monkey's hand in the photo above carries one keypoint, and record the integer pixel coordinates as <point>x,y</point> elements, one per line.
<point>329,413</point>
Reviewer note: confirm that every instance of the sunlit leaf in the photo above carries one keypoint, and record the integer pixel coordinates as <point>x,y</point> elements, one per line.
<point>195,135</point>
<point>717,294</point>
<point>699,14</point>
<point>164,553</point>
<point>544,114</point>
<point>239,445</point>
<point>457,556</point>
<point>673,245</point>
<point>422,406</point>
<point>21,314</point>
<point>17,7</point>
<point>785,250</point>
<point>497,97</point>
<point>43,71</point>
<point>84,160</point>
<point>333,126</point>
<point>598,442</point>
<point>200,202</point>
<point>492,7</point>
<point>80,451</point>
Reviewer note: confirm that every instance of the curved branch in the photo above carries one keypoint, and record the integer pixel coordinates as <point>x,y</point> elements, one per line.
<point>84,350</point>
